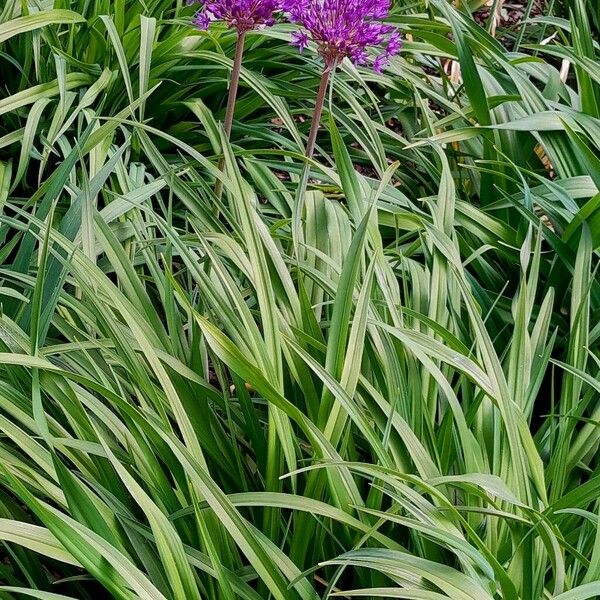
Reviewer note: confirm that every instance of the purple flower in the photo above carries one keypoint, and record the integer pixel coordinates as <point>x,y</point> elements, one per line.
<point>242,15</point>
<point>300,39</point>
<point>345,28</point>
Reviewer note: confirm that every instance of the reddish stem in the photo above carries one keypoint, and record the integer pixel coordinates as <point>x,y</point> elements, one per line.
<point>231,100</point>
<point>235,83</point>
<point>310,150</point>
<point>316,120</point>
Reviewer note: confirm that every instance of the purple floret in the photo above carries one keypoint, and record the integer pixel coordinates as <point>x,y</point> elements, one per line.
<point>345,28</point>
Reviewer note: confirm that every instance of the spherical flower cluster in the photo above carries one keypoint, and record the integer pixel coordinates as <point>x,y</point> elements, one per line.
<point>242,15</point>
<point>345,28</point>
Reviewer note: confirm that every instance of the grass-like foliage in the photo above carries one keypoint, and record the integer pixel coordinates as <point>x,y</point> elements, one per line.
<point>386,387</point>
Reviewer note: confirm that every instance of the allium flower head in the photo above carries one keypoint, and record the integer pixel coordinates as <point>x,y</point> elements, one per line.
<point>242,15</point>
<point>345,28</point>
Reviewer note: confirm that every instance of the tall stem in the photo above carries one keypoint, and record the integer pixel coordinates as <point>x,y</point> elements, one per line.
<point>235,83</point>
<point>316,120</point>
<point>297,234</point>
<point>233,92</point>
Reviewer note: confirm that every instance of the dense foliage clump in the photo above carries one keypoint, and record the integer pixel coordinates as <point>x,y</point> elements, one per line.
<point>335,337</point>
